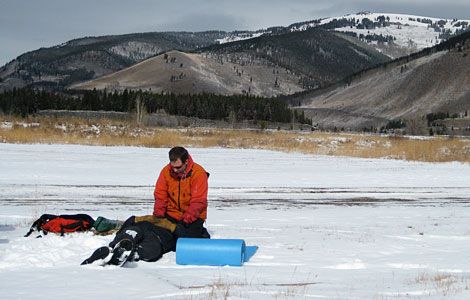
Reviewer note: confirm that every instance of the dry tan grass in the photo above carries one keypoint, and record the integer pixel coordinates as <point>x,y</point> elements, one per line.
<point>442,283</point>
<point>113,133</point>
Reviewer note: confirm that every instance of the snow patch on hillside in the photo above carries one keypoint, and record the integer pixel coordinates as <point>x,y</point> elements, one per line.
<point>240,37</point>
<point>136,51</point>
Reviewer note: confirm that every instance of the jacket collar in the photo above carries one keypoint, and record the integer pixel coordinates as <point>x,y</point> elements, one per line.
<point>187,171</point>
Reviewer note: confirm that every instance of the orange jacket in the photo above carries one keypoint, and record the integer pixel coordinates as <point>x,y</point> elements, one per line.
<point>183,198</point>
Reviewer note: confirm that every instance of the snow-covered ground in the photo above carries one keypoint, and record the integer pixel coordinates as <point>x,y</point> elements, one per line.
<point>326,227</point>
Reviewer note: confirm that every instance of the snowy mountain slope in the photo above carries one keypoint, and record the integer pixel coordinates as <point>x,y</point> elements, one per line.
<point>394,34</point>
<point>409,32</point>
<point>240,36</point>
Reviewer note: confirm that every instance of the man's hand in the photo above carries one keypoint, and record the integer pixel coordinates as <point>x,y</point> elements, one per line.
<point>188,218</point>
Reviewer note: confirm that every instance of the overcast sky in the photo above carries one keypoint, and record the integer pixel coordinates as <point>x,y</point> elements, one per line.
<point>27,25</point>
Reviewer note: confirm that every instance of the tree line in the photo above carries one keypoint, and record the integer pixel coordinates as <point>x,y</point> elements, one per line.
<point>27,101</point>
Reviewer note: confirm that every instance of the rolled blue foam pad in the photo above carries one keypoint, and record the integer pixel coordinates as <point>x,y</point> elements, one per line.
<point>213,252</point>
<point>249,252</point>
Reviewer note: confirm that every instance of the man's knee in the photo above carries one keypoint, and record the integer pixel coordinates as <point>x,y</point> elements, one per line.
<point>193,230</point>
<point>148,252</point>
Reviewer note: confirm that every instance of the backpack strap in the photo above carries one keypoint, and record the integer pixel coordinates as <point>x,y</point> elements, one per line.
<point>81,218</point>
<point>77,226</point>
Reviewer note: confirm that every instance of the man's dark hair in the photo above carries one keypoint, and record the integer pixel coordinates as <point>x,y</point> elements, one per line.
<point>178,152</point>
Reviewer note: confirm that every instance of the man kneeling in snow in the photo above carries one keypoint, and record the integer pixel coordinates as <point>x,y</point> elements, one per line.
<point>180,211</point>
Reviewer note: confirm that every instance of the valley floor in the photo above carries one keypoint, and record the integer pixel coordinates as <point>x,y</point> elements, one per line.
<point>49,130</point>
<point>327,227</point>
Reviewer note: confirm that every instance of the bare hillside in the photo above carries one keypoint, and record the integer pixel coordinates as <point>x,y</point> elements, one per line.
<point>182,73</point>
<point>438,82</point>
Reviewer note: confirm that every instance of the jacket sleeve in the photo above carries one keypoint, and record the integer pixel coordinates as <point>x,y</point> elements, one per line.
<point>198,202</point>
<point>161,196</point>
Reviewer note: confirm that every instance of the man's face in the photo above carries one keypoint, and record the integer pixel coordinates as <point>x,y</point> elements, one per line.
<point>178,166</point>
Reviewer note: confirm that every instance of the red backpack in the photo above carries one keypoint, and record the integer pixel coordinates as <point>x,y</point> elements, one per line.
<point>62,223</point>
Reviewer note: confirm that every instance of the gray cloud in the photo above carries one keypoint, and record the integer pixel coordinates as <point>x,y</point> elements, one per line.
<point>202,21</point>
<point>30,24</point>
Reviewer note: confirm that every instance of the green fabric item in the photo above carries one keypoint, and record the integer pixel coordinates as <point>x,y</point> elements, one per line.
<point>102,224</point>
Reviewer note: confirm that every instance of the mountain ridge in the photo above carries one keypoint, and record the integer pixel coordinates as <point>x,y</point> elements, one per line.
<point>264,66</point>
<point>432,81</point>
<point>92,57</point>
